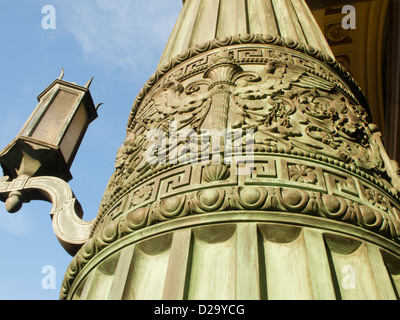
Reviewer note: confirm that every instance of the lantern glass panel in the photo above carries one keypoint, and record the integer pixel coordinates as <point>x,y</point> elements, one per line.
<point>55,117</point>
<point>73,136</point>
<point>35,117</point>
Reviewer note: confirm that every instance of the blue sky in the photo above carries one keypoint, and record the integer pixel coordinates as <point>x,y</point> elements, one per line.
<point>119,43</point>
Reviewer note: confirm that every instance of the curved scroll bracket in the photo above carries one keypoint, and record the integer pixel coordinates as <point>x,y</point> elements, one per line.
<point>66,212</point>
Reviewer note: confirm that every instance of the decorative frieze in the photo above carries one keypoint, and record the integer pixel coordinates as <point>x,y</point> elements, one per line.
<point>279,184</point>
<point>293,103</point>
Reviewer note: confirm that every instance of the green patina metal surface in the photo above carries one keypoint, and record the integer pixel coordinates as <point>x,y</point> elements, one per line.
<point>316,217</point>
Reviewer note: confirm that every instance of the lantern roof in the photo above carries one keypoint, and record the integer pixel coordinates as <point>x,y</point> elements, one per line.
<point>90,107</point>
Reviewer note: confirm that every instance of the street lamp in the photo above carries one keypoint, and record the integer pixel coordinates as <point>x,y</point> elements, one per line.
<point>49,140</point>
<point>36,164</point>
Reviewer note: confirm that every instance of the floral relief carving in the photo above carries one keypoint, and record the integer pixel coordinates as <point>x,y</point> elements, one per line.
<point>285,104</point>
<point>376,199</point>
<point>141,195</point>
<point>302,173</point>
<point>293,108</point>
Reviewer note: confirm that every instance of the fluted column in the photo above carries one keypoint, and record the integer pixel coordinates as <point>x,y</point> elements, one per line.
<point>316,216</point>
<point>205,20</point>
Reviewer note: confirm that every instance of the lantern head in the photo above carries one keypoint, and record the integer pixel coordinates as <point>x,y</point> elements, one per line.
<point>49,140</point>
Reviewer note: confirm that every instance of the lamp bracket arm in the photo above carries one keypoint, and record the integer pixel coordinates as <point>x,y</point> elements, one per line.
<point>66,211</point>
